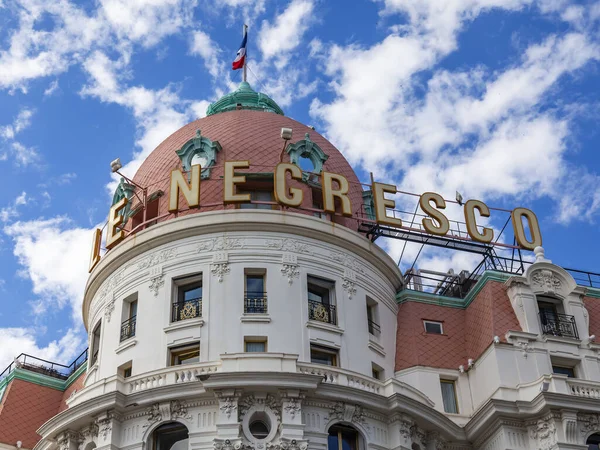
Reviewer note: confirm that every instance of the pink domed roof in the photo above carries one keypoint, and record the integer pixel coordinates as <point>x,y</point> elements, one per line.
<point>243,135</point>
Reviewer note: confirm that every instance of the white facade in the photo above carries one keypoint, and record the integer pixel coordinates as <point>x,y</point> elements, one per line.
<point>508,398</point>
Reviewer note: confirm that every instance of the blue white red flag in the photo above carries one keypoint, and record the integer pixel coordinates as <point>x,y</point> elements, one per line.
<point>240,59</point>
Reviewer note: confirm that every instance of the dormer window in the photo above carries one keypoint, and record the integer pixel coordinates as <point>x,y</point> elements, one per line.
<point>199,150</point>
<point>308,156</point>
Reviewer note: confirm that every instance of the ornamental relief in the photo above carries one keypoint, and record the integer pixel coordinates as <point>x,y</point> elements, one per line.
<point>220,244</point>
<point>157,258</point>
<point>544,433</point>
<point>289,245</point>
<point>546,280</point>
<point>347,261</point>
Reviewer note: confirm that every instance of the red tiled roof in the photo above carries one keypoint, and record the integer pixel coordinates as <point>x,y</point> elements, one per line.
<point>467,332</point>
<point>243,135</point>
<point>25,407</point>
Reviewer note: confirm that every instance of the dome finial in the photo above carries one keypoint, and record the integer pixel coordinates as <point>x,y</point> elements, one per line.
<point>244,97</point>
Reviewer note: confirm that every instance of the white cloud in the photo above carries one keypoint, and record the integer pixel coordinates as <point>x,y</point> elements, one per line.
<point>54,256</point>
<point>11,211</point>
<point>23,340</point>
<point>203,45</point>
<point>287,30</point>
<point>51,89</point>
<point>21,122</point>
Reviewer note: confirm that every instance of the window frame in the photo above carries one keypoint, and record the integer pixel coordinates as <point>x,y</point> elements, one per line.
<point>322,283</point>
<point>433,322</point>
<point>182,285</point>
<point>175,352</point>
<point>333,352</point>
<point>455,393</point>
<point>96,338</point>
<point>254,340</point>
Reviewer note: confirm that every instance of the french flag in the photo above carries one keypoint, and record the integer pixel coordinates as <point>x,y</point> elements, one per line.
<point>240,59</point>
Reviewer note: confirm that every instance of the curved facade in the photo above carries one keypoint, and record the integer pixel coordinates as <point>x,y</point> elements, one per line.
<point>231,327</point>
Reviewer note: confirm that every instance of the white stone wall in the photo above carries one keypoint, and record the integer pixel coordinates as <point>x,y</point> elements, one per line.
<point>221,259</point>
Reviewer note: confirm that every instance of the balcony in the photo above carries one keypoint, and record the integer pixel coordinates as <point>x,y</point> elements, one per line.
<point>188,309</point>
<point>374,328</point>
<point>322,312</point>
<point>44,367</point>
<point>127,330</point>
<point>555,324</point>
<point>255,303</point>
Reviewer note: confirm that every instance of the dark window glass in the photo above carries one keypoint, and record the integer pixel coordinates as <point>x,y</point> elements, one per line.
<point>319,290</point>
<point>255,286</point>
<point>568,371</point>
<point>321,355</point>
<point>191,292</point>
<point>185,355</point>
<point>433,327</point>
<point>593,442</point>
<point>449,396</point>
<point>170,436</point>
<point>342,438</point>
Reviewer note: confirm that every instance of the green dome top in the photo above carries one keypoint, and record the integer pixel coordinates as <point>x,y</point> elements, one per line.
<point>244,97</point>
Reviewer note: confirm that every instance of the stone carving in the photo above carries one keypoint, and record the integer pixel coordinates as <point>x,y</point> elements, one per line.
<point>110,284</point>
<point>293,407</point>
<point>226,444</point>
<point>157,258</point>
<point>220,244</point>
<point>589,422</point>
<point>349,413</point>
<point>350,287</point>
<point>104,427</point>
<point>274,404</point>
<point>288,444</point>
<point>418,434</point>
<point>90,431</point>
<point>288,245</point>
<point>405,428</point>
<point>544,433</point>
<point>244,404</point>
<point>179,410</point>
<point>110,307</point>
<point>156,283</point>
<point>219,270</point>
<point>228,407</point>
<point>290,271</point>
<point>437,441</point>
<point>347,261</point>
<point>546,280</point>
<point>154,414</point>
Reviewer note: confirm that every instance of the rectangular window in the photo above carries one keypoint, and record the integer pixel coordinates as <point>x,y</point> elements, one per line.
<point>127,372</point>
<point>96,343</point>
<point>373,317</point>
<point>449,396</point>
<point>432,327</point>
<point>258,196</point>
<point>188,304</point>
<point>255,345</point>
<point>128,325</point>
<point>255,296</point>
<point>377,372</point>
<point>323,355</point>
<point>185,354</point>
<point>563,370</point>
<point>321,300</point>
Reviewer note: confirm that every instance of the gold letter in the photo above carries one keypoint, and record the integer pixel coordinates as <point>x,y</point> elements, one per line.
<point>95,258</point>
<point>382,203</point>
<point>329,193</point>
<point>534,228</point>
<point>484,211</point>
<point>229,195</point>
<point>114,220</point>
<point>428,209</point>
<point>191,191</point>
<point>281,190</point>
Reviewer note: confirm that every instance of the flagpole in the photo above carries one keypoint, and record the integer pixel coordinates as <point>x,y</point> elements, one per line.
<point>244,31</point>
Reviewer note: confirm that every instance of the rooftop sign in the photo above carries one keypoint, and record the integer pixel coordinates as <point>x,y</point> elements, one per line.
<point>334,186</point>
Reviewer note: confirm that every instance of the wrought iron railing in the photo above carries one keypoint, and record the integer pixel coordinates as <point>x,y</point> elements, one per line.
<point>128,329</point>
<point>374,328</point>
<point>49,368</point>
<point>255,303</point>
<point>188,309</point>
<point>558,325</point>
<point>322,312</point>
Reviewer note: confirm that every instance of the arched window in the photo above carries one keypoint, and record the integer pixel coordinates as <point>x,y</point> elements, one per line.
<point>343,437</point>
<point>170,436</point>
<point>593,442</point>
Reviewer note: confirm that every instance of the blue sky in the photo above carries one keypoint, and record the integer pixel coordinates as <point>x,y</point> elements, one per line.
<point>498,99</point>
